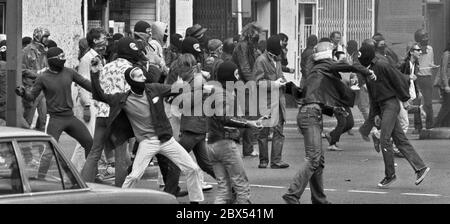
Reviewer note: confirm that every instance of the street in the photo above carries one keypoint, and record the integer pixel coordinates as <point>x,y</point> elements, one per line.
<point>350,177</point>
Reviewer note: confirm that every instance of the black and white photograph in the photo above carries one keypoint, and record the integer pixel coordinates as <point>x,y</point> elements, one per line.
<point>246,104</point>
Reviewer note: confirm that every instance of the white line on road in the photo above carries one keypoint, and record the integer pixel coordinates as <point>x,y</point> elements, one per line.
<point>426,195</point>
<point>368,192</point>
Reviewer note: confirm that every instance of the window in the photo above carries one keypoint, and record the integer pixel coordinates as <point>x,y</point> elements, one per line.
<point>45,169</point>
<point>10,181</point>
<point>2,18</point>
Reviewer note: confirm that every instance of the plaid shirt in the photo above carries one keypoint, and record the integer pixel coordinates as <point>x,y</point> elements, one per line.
<point>112,81</point>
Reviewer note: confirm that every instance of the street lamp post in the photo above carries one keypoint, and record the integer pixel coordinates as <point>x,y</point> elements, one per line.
<point>14,59</point>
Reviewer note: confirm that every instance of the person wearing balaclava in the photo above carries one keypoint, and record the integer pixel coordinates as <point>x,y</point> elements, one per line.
<point>244,56</point>
<point>323,94</point>
<point>223,137</point>
<point>384,50</point>
<point>141,115</point>
<point>268,69</point>
<point>385,94</point>
<point>425,75</point>
<point>56,84</point>
<point>34,62</point>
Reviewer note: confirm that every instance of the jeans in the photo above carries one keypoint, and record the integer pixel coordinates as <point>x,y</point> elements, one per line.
<point>277,144</point>
<point>74,128</point>
<point>90,168</point>
<point>30,109</point>
<point>390,128</point>
<point>311,126</point>
<point>248,139</point>
<point>230,173</point>
<point>173,151</point>
<point>197,143</point>
<point>344,124</point>
<point>425,84</point>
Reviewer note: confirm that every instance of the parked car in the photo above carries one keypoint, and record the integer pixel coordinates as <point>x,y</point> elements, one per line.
<point>33,170</point>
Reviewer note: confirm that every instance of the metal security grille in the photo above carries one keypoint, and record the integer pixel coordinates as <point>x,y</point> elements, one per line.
<point>353,18</point>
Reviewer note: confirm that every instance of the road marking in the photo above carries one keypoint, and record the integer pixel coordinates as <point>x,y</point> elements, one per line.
<point>368,192</point>
<point>426,195</point>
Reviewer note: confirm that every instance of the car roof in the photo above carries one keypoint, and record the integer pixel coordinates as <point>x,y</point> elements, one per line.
<point>8,132</point>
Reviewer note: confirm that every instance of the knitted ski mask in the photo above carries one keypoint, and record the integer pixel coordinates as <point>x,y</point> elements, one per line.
<point>367,54</point>
<point>274,46</point>
<point>137,87</point>
<point>128,49</point>
<point>227,72</point>
<point>56,59</point>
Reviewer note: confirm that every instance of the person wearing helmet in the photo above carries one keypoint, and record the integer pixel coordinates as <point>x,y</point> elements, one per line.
<point>34,62</point>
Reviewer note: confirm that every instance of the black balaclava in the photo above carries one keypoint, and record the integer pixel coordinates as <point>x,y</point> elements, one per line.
<point>226,73</point>
<point>128,49</point>
<point>192,46</point>
<point>3,50</point>
<point>55,64</point>
<point>274,45</point>
<point>367,55</point>
<point>136,87</point>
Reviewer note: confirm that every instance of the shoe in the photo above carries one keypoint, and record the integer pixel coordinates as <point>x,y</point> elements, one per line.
<point>376,143</point>
<point>206,187</point>
<point>387,181</point>
<point>252,155</point>
<point>290,200</point>
<point>182,194</point>
<point>421,175</point>
<point>263,165</point>
<point>334,148</point>
<point>364,137</point>
<point>280,165</point>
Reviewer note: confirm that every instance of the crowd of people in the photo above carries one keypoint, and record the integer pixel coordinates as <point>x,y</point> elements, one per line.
<point>121,97</point>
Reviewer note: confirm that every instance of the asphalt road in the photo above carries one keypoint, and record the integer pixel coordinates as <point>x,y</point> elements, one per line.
<point>350,177</point>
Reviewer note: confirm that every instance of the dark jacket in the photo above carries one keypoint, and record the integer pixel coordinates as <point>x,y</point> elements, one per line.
<point>390,83</point>
<point>119,129</point>
<point>244,56</point>
<point>215,67</point>
<point>325,87</point>
<point>406,69</point>
<point>192,123</point>
<point>224,125</point>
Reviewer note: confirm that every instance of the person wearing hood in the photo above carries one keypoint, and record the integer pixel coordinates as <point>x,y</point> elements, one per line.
<point>35,62</point>
<point>140,113</point>
<point>223,137</point>
<point>268,69</point>
<point>56,84</point>
<point>425,75</point>
<point>385,94</point>
<point>198,32</point>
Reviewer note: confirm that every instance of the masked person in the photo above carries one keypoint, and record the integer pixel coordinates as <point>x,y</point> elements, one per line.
<point>199,33</point>
<point>322,95</point>
<point>244,56</point>
<point>56,84</point>
<point>385,94</point>
<point>268,69</point>
<point>223,136</point>
<point>34,63</point>
<point>140,113</point>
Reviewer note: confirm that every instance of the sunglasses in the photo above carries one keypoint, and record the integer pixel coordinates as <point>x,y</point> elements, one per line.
<point>60,57</point>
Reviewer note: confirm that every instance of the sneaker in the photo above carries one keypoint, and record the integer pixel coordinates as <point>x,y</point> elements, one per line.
<point>328,137</point>
<point>376,143</point>
<point>421,175</point>
<point>263,165</point>
<point>280,165</point>
<point>252,155</point>
<point>206,187</point>
<point>334,148</point>
<point>290,200</point>
<point>387,181</point>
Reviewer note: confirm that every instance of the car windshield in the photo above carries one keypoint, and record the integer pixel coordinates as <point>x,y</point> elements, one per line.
<point>45,169</point>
